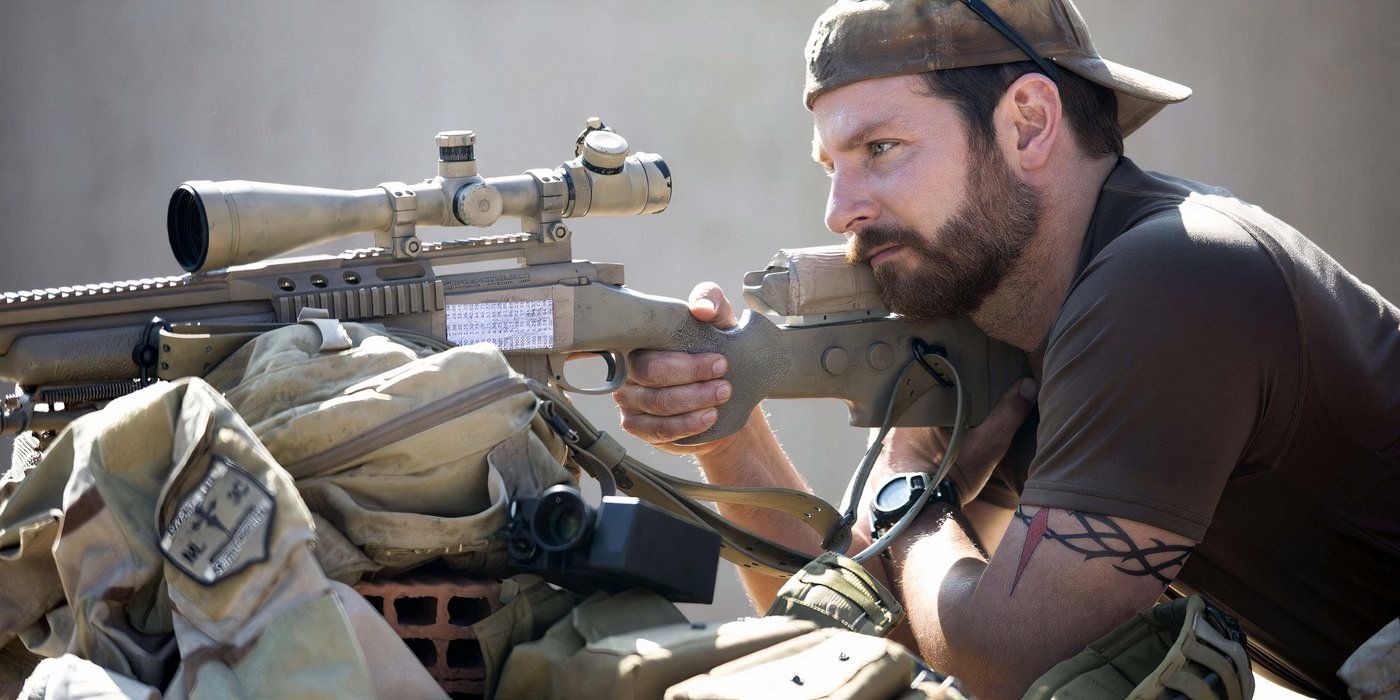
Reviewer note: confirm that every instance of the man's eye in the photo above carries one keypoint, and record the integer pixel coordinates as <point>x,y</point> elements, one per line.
<point>878,147</point>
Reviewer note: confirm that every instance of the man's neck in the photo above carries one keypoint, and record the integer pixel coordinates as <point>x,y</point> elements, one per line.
<point>1024,305</point>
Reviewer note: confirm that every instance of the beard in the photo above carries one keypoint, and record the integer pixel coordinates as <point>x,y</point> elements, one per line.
<point>974,252</point>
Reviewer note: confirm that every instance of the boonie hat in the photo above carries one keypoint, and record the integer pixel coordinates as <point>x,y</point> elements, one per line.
<point>857,40</point>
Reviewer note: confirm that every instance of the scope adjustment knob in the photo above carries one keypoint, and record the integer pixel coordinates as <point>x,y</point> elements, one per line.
<point>453,145</point>
<point>456,153</point>
<point>604,152</point>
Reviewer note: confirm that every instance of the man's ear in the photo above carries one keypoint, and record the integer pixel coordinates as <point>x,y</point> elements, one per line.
<point>1030,111</point>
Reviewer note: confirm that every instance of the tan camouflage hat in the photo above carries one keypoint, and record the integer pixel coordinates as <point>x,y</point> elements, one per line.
<point>857,40</point>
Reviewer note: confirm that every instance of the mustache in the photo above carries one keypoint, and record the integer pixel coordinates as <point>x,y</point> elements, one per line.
<point>862,244</point>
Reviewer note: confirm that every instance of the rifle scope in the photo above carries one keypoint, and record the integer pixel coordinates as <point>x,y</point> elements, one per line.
<point>214,225</point>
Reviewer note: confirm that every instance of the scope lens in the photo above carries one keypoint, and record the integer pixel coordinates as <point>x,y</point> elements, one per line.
<point>566,523</point>
<point>561,519</point>
<point>188,228</point>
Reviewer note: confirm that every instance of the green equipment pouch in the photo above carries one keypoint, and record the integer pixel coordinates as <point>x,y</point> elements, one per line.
<point>835,591</point>
<point>1181,648</point>
<point>826,663</point>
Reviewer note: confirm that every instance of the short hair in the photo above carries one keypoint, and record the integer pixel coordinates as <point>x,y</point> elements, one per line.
<point>1091,109</point>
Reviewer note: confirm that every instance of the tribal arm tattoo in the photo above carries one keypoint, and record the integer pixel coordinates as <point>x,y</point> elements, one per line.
<point>1099,537</point>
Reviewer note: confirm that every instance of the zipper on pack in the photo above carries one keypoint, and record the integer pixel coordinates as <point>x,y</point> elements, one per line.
<point>405,426</point>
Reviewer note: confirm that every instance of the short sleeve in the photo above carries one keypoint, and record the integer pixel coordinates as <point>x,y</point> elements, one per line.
<point>1174,349</point>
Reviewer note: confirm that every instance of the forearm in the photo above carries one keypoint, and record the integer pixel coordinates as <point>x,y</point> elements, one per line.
<point>936,568</point>
<point>753,457</point>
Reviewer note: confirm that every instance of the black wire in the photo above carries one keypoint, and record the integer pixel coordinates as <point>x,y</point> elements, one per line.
<point>921,349</point>
<point>1006,30</point>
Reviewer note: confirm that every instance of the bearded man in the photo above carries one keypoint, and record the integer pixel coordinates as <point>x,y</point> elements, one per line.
<point>1215,402</point>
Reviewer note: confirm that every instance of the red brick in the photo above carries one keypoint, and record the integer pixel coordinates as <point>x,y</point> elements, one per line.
<point>433,614</point>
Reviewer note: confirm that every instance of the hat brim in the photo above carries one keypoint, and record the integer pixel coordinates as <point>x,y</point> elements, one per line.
<point>1141,95</point>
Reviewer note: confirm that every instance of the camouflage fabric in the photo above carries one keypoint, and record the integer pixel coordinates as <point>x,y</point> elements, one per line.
<point>402,449</point>
<point>179,543</point>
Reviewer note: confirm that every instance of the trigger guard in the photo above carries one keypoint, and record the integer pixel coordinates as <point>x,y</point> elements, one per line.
<point>617,375</point>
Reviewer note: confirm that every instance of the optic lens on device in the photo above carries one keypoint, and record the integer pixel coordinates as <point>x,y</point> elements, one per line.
<point>188,228</point>
<point>561,519</point>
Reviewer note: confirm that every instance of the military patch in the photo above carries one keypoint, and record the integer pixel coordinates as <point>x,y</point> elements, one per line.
<point>221,526</point>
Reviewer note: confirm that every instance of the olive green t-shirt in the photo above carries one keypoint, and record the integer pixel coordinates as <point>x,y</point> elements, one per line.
<point>1214,373</point>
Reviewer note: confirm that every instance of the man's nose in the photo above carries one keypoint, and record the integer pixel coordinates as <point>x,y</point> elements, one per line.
<point>849,207</point>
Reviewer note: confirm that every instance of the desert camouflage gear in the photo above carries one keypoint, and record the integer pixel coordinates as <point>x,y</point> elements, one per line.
<point>835,591</point>
<point>400,448</point>
<point>179,542</point>
<point>1177,649</point>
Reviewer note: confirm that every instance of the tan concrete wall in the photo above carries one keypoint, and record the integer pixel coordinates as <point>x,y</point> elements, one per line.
<point>106,107</point>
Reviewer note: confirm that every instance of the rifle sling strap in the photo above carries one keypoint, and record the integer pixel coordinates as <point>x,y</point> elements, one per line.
<point>683,497</point>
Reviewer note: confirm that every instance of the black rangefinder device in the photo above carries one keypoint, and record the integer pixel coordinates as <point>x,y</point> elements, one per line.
<point>623,543</point>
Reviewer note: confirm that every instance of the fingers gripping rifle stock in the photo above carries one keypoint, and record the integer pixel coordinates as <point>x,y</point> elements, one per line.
<point>621,320</point>
<point>857,361</point>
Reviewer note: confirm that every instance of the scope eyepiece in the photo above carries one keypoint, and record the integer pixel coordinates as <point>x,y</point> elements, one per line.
<point>561,520</point>
<point>187,225</point>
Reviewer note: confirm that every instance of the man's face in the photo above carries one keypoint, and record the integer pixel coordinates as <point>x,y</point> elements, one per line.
<point>940,220</point>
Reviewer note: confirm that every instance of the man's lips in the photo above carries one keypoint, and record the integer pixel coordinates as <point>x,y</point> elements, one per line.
<point>883,253</point>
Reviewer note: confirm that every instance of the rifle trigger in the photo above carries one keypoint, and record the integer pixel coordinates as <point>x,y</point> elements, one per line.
<point>617,374</point>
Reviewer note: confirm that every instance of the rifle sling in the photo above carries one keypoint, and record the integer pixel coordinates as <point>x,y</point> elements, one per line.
<point>683,497</point>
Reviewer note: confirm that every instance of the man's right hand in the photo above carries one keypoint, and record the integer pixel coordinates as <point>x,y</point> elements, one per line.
<point>672,395</point>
